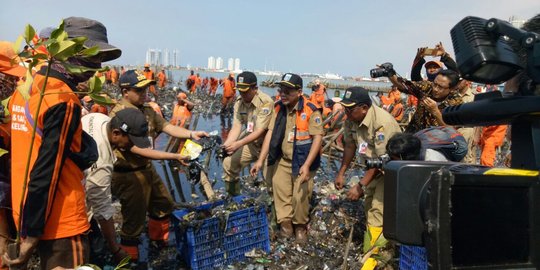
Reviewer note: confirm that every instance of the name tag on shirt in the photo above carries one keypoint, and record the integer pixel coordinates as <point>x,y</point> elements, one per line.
<point>362,148</point>
<point>250,126</point>
<point>290,138</point>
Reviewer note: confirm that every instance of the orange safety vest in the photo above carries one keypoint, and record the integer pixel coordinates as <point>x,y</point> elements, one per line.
<point>162,78</point>
<point>228,88</point>
<point>54,202</point>
<point>114,76</point>
<point>180,116</point>
<point>302,139</point>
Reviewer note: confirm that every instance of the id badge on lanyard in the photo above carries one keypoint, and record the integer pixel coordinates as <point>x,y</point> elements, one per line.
<point>290,136</point>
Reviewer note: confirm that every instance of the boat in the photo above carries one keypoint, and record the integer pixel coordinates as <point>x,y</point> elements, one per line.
<point>270,73</point>
<point>331,76</point>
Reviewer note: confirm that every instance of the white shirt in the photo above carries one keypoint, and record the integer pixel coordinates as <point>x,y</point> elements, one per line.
<point>98,177</point>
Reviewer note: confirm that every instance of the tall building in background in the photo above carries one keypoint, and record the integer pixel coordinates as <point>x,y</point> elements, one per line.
<point>156,57</point>
<point>211,63</point>
<point>166,58</point>
<point>516,22</point>
<point>230,64</point>
<point>175,58</point>
<point>237,64</point>
<point>219,63</point>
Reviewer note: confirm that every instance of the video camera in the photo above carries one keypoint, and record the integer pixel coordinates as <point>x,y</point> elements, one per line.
<point>377,162</point>
<point>387,70</point>
<point>467,216</point>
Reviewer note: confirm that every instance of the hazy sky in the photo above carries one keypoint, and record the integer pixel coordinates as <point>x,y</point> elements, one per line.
<point>345,37</point>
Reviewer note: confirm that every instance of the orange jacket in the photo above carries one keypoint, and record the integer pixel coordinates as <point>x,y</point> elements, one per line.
<point>228,88</point>
<point>181,114</point>
<point>54,202</point>
<point>197,81</point>
<point>412,101</point>
<point>114,76</point>
<point>317,97</point>
<point>493,135</point>
<point>397,111</point>
<point>213,84</point>
<point>162,79</point>
<point>194,85</point>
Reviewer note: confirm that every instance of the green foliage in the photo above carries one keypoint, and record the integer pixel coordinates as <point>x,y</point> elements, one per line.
<point>3,152</point>
<point>124,264</point>
<point>29,33</point>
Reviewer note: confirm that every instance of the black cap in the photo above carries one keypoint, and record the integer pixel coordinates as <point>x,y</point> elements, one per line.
<point>354,96</point>
<point>134,79</point>
<point>96,34</point>
<point>133,122</point>
<point>291,80</point>
<point>245,80</point>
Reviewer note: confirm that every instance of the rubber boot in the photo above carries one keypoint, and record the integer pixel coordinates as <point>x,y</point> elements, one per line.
<point>158,230</point>
<point>372,235</point>
<point>232,188</point>
<point>301,233</point>
<point>286,230</point>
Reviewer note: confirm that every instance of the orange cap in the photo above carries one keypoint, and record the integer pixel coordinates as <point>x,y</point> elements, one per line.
<point>9,63</point>
<point>182,95</point>
<point>438,63</point>
<point>146,65</point>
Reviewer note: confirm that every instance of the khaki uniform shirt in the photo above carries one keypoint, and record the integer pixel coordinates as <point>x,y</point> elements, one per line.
<point>315,128</point>
<point>254,115</point>
<point>468,96</point>
<point>371,136</point>
<point>156,124</point>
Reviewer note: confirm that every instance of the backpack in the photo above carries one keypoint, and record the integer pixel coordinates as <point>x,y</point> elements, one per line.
<point>446,140</point>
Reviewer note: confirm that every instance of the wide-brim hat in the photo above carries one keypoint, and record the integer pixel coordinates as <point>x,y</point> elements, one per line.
<point>96,34</point>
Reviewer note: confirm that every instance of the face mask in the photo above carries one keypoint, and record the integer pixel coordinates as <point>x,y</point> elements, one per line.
<point>8,84</point>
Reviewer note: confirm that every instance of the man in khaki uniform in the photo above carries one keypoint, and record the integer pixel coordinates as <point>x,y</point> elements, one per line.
<point>468,133</point>
<point>252,113</point>
<point>135,181</point>
<point>367,131</point>
<point>293,143</point>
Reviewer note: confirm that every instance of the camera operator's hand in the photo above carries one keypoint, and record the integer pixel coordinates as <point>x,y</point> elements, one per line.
<point>339,181</point>
<point>431,105</point>
<point>256,168</point>
<point>303,174</point>
<point>355,193</point>
<point>197,135</point>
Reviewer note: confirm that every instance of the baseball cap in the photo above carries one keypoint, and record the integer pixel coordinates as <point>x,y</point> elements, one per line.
<point>9,63</point>
<point>354,96</point>
<point>96,34</point>
<point>245,80</point>
<point>134,79</point>
<point>291,80</point>
<point>437,63</point>
<point>133,122</point>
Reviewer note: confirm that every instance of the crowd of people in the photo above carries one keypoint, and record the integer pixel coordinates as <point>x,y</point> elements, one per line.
<point>58,186</point>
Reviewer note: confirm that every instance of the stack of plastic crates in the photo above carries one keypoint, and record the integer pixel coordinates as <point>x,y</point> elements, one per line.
<point>413,258</point>
<point>216,242</point>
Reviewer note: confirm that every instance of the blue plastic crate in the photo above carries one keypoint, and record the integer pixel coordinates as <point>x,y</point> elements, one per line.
<point>214,244</point>
<point>413,258</point>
